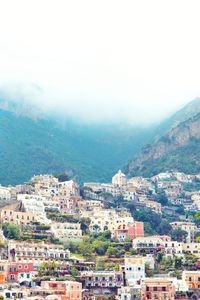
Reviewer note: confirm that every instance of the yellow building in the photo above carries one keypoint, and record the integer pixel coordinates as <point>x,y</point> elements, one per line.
<point>192,279</point>
<point>193,248</point>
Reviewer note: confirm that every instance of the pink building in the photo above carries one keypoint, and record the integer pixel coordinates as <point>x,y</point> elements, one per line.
<point>20,271</point>
<point>130,231</point>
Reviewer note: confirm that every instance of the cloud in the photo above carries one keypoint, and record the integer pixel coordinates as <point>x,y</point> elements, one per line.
<point>135,61</point>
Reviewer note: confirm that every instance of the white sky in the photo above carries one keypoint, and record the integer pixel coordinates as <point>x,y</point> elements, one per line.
<point>101,60</point>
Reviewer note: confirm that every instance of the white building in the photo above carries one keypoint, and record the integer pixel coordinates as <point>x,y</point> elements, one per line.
<point>119,179</point>
<point>67,231</point>
<point>134,268</point>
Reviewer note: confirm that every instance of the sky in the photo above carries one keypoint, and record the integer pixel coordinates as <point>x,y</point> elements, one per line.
<point>134,61</point>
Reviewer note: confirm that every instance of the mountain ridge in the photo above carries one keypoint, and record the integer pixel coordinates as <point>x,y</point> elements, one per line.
<point>169,151</point>
<point>34,146</point>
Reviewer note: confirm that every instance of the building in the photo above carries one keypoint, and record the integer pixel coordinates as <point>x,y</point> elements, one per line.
<point>150,244</point>
<point>193,248</point>
<point>129,293</point>
<point>187,226</point>
<point>32,251</point>
<point>20,272</point>
<point>69,204</point>
<point>191,278</point>
<point>102,279</point>
<point>72,290</point>
<point>153,205</point>
<point>173,248</point>
<point>18,217</point>
<point>119,179</point>
<point>5,194</point>
<point>134,269</point>
<point>157,289</point>
<point>129,231</point>
<point>32,203</point>
<point>67,231</point>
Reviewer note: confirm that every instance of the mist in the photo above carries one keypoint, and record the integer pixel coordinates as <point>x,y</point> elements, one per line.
<point>133,62</point>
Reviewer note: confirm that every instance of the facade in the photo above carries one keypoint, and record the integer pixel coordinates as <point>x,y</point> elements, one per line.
<point>189,227</point>
<point>102,279</point>
<point>67,231</point>
<point>157,289</point>
<point>32,251</point>
<point>134,268</point>
<point>32,203</point>
<point>193,248</point>
<point>129,231</point>
<point>5,194</point>
<point>17,217</point>
<point>129,293</point>
<point>68,204</point>
<point>191,279</point>
<point>70,290</point>
<point>20,272</point>
<point>119,179</point>
<point>150,244</point>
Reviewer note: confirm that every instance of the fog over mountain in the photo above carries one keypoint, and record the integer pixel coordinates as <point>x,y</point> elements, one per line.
<point>104,61</point>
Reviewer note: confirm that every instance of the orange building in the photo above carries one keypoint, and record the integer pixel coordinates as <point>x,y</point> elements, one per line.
<point>68,290</point>
<point>157,288</point>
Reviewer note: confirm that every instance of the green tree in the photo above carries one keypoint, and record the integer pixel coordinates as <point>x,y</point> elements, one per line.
<point>100,247</point>
<point>11,231</point>
<point>148,271</point>
<point>179,235</point>
<point>62,177</point>
<point>74,272</point>
<point>111,251</point>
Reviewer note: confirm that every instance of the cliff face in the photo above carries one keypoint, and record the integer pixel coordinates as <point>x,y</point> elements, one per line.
<point>175,143</point>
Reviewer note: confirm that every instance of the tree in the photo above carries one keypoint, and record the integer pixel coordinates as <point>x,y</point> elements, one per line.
<point>162,198</point>
<point>74,272</point>
<point>62,177</point>
<point>100,247</point>
<point>198,239</point>
<point>178,263</point>
<point>164,227</point>
<point>148,271</point>
<point>11,231</point>
<point>111,251</point>
<point>197,218</point>
<point>179,235</point>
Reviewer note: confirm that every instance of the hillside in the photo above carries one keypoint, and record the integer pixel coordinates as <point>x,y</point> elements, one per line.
<point>94,152</point>
<point>178,149</point>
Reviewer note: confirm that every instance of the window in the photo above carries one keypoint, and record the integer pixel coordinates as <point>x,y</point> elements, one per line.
<point>190,278</point>
<point>155,289</point>
<point>164,289</point>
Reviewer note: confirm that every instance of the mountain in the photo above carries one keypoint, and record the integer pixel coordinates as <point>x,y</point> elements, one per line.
<point>31,146</point>
<point>178,149</point>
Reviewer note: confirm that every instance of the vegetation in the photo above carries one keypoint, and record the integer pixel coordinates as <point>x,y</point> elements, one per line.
<point>99,244</point>
<point>44,146</point>
<point>153,223</point>
<point>11,231</point>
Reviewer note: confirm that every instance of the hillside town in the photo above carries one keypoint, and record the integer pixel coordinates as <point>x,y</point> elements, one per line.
<point>133,238</point>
